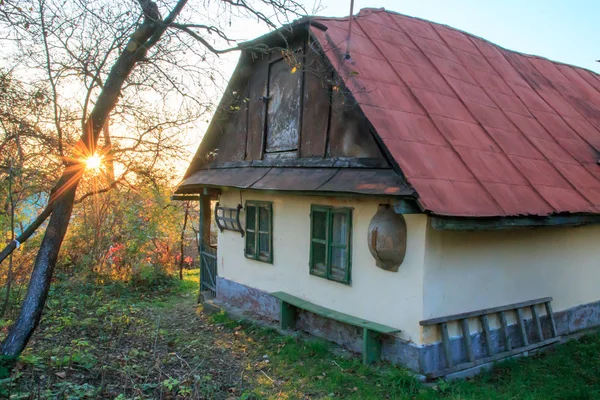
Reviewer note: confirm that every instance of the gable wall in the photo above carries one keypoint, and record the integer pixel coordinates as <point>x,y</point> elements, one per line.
<point>391,298</point>
<point>468,271</point>
<point>289,107</point>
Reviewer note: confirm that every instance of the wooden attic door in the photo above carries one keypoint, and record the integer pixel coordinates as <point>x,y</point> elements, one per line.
<point>284,90</point>
<point>293,112</point>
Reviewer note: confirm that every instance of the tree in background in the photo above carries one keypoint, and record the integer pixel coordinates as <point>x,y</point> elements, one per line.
<point>27,168</point>
<point>122,79</point>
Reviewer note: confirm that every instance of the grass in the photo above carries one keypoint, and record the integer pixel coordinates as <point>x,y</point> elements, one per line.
<point>114,342</point>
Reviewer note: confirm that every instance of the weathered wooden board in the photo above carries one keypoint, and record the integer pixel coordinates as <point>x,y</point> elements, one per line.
<point>491,310</point>
<point>232,141</point>
<point>349,134</point>
<point>316,105</point>
<point>332,314</point>
<point>308,179</point>
<point>232,177</point>
<point>284,106</point>
<point>256,109</point>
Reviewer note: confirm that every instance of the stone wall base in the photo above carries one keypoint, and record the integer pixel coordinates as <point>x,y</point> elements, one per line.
<point>423,359</point>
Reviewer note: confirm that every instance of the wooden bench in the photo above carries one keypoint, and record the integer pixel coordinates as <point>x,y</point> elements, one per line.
<point>372,331</point>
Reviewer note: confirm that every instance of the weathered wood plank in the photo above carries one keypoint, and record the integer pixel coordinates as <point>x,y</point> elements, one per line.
<point>316,107</point>
<point>505,334</point>
<point>332,314</point>
<point>537,323</point>
<point>316,162</point>
<point>283,107</point>
<point>487,334</point>
<point>349,133</point>
<point>257,109</point>
<point>492,310</point>
<point>185,197</point>
<point>446,344</point>
<point>467,339</point>
<point>233,138</point>
<point>550,315</point>
<point>521,322</point>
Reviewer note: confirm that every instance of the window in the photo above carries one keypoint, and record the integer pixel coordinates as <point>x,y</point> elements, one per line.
<point>259,231</point>
<point>330,235</point>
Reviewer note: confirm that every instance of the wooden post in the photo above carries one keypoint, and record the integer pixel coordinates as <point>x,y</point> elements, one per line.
<point>206,217</point>
<point>371,346</point>
<point>200,245</point>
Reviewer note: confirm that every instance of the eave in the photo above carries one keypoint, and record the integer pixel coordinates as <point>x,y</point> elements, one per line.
<point>501,223</point>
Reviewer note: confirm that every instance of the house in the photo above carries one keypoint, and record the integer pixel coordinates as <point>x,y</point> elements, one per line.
<point>405,189</point>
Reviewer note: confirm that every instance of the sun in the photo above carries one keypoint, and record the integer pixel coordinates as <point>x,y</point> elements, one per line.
<point>93,163</point>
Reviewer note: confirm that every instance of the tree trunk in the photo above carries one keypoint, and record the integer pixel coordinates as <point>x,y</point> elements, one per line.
<point>39,284</point>
<point>145,37</point>
<point>9,275</point>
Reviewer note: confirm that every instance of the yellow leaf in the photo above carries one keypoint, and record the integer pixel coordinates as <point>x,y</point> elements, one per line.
<point>294,70</point>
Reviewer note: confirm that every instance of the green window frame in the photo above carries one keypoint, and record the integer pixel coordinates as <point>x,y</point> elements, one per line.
<point>259,231</point>
<point>330,243</point>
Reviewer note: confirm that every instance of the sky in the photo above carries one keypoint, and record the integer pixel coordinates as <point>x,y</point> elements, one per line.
<point>561,30</point>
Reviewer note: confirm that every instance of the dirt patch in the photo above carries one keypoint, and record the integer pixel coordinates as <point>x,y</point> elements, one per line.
<point>119,348</point>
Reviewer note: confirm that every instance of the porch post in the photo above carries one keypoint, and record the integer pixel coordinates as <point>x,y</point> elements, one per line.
<point>200,244</point>
<point>204,240</point>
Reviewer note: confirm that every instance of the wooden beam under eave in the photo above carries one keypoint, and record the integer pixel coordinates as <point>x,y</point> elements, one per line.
<point>184,197</point>
<point>406,206</point>
<point>498,223</point>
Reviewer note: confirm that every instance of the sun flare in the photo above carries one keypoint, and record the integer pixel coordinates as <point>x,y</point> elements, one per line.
<point>93,163</point>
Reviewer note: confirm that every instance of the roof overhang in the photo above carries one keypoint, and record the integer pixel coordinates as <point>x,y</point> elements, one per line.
<point>361,181</point>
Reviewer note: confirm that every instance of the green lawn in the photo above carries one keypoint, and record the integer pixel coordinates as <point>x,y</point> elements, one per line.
<point>117,343</point>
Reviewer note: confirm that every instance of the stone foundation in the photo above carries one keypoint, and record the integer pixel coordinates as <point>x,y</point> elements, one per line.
<point>423,359</point>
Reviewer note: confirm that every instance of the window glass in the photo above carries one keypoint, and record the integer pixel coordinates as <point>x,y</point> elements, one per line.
<point>319,258</point>
<point>330,252</point>
<point>250,218</point>
<point>319,220</point>
<point>263,244</point>
<point>259,235</point>
<point>250,243</point>
<point>263,219</point>
<point>340,228</point>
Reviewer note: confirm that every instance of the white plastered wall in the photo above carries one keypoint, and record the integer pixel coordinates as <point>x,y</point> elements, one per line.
<point>391,298</point>
<point>467,271</point>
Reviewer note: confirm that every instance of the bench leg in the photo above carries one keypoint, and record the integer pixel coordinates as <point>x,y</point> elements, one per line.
<point>287,316</point>
<point>371,346</point>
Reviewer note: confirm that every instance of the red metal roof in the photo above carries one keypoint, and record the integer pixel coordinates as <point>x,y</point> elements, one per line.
<point>477,130</point>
